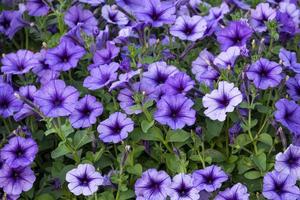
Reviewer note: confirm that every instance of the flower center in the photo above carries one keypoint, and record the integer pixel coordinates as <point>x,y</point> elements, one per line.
<point>4,103</point>
<point>19,152</point>
<point>84,180</point>
<point>5,23</point>
<point>224,101</point>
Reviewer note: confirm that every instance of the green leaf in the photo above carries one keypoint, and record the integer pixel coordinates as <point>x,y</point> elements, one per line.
<point>146,125</point>
<point>153,134</point>
<point>216,156</point>
<point>67,129</point>
<point>61,150</point>
<point>266,139</point>
<point>82,138</point>
<point>44,196</point>
<point>213,129</point>
<point>260,161</point>
<point>136,169</point>
<point>172,162</point>
<point>242,140</point>
<point>244,164</point>
<point>129,194</point>
<point>252,175</point>
<point>177,136</point>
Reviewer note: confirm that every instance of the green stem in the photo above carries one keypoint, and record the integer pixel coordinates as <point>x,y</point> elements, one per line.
<point>26,38</point>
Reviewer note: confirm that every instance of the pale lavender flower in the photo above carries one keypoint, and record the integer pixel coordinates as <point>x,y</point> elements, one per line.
<point>226,59</point>
<point>112,15</point>
<point>289,60</point>
<point>236,192</point>
<point>262,14</point>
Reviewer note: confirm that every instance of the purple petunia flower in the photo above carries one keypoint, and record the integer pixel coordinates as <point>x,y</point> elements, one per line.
<point>77,16</point>
<point>153,185</point>
<point>84,180</point>
<point>115,128</point>
<point>293,87</point>
<point>41,67</point>
<point>92,2</point>
<point>55,99</point>
<point>175,111</point>
<point>37,7</point>
<point>182,188</point>
<point>279,186</point>
<point>19,152</point>
<point>262,14</point>
<point>11,22</point>
<point>222,100</point>
<point>189,28</point>
<point>73,36</point>
<point>237,33</point>
<point>130,5</point>
<point>288,162</point>
<point>20,62</point>
<point>236,192</point>
<point>292,11</point>
<point>105,56</point>
<point>210,178</point>
<point>9,104</point>
<point>16,180</point>
<point>180,83</point>
<point>64,56</point>
<point>26,92</point>
<point>289,60</point>
<point>226,59</point>
<point>101,76</point>
<point>86,112</point>
<point>203,69</point>
<point>137,94</point>
<point>124,79</point>
<point>158,73</point>
<point>288,114</point>
<point>157,13</point>
<point>112,15</point>
<point>265,74</point>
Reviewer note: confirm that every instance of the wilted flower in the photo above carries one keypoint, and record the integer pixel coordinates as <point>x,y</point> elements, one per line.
<point>237,33</point>
<point>16,180</point>
<point>20,62</point>
<point>189,28</point>
<point>265,74</point>
<point>279,186</point>
<point>112,15</point>
<point>175,111</point>
<point>236,192</point>
<point>37,7</point>
<point>153,185</point>
<point>293,87</point>
<point>11,22</point>
<point>182,188</point>
<point>210,178</point>
<point>19,152</point>
<point>65,56</point>
<point>289,60</point>
<point>84,180</point>
<point>77,16</point>
<point>115,128</point>
<point>55,99</point>
<point>222,100</point>
<point>26,92</point>
<point>86,112</point>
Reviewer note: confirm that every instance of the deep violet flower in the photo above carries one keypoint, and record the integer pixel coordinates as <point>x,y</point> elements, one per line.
<point>210,178</point>
<point>130,5</point>
<point>288,162</point>
<point>16,180</point>
<point>289,60</point>
<point>64,57</point>
<point>73,36</point>
<point>37,7</point>
<point>86,112</point>
<point>41,67</point>
<point>189,28</point>
<point>292,11</point>
<point>262,14</point>
<point>280,186</point>
<point>106,55</point>
<point>101,76</point>
<point>293,87</point>
<point>84,180</point>
<point>182,188</point>
<point>222,100</point>
<point>77,16</point>
<point>158,73</point>
<point>288,114</point>
<point>19,152</point>
<point>115,128</point>
<point>180,83</point>
<point>157,13</point>
<point>226,59</point>
<point>112,15</point>
<point>153,185</point>
<point>9,104</point>
<point>175,111</point>
<point>11,22</point>
<point>137,94</point>
<point>236,192</point>
<point>265,74</point>
<point>55,99</point>
<point>20,62</point>
<point>26,92</point>
<point>203,68</point>
<point>237,33</point>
